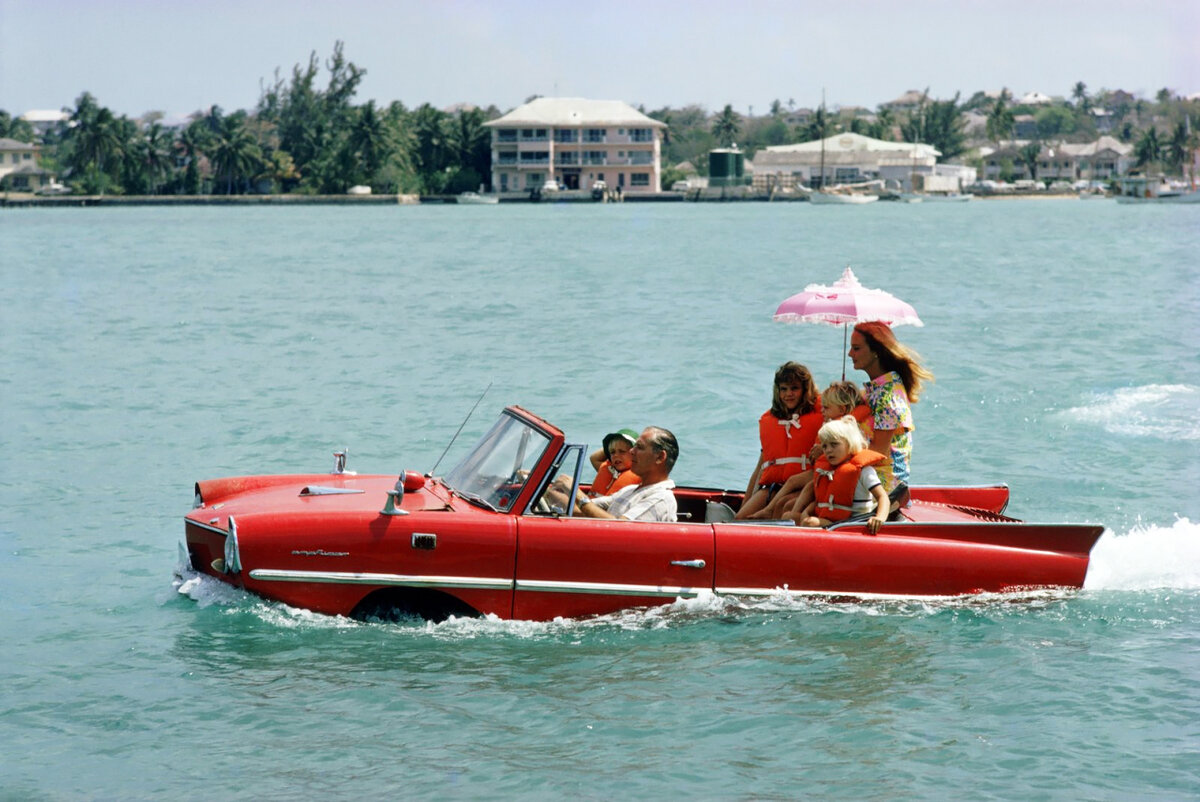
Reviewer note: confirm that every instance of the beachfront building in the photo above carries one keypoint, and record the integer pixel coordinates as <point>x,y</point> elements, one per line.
<point>19,168</point>
<point>848,158</point>
<point>1103,160</point>
<point>576,143</point>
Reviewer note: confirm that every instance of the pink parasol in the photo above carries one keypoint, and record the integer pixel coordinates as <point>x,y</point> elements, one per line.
<point>844,303</point>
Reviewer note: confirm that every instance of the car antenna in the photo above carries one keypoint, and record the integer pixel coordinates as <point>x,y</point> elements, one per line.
<point>460,428</point>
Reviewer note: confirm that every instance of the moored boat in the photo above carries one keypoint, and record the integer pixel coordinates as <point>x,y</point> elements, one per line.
<point>1155,189</point>
<point>483,539</point>
<point>477,198</point>
<point>836,197</point>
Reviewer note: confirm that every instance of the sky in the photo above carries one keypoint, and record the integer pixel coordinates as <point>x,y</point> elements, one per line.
<point>180,56</point>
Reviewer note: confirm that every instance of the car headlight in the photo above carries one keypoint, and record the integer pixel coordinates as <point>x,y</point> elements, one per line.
<point>233,560</point>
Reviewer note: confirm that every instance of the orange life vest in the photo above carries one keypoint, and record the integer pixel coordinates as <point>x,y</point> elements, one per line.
<point>833,487</point>
<point>866,421</point>
<point>786,444</point>
<point>607,481</point>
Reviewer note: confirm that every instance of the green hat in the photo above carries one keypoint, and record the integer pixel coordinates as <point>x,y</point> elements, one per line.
<point>623,434</point>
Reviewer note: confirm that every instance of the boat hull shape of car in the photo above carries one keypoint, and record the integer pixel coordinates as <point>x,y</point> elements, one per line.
<point>482,540</point>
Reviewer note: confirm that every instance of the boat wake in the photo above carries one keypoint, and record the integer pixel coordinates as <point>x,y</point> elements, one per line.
<point>1162,411</point>
<point>1147,557</point>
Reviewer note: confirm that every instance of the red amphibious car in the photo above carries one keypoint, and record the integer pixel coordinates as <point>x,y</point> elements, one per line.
<point>481,540</point>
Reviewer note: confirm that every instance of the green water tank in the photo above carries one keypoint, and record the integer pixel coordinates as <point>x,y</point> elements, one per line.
<point>726,167</point>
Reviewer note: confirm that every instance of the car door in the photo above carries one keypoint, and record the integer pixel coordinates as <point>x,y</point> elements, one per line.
<point>575,566</point>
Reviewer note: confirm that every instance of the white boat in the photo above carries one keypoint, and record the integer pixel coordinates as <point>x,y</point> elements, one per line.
<point>1141,189</point>
<point>822,196</point>
<point>476,198</point>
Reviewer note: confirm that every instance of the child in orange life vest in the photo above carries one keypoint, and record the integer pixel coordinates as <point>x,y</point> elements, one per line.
<point>786,432</point>
<point>839,399</point>
<point>613,463</point>
<point>844,483</point>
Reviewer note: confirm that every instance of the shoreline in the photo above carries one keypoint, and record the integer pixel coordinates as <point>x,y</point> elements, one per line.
<point>18,200</point>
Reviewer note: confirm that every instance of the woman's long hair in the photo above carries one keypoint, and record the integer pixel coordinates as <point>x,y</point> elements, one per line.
<point>895,356</point>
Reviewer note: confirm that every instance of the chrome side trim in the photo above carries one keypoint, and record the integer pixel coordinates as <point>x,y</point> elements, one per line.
<point>397,580</point>
<point>605,589</point>
<point>475,583</point>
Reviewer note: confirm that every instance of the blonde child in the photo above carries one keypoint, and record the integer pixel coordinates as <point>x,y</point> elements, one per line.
<point>838,400</point>
<point>844,481</point>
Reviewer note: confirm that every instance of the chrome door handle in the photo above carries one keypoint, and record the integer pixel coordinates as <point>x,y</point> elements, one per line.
<point>688,563</point>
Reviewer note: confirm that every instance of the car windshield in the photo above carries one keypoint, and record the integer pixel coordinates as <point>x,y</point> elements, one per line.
<point>496,470</point>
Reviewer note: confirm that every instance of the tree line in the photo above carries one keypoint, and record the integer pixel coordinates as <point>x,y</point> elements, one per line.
<point>303,137</point>
<point>1161,130</point>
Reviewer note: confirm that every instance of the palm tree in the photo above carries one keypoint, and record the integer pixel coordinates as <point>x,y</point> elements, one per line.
<point>1080,95</point>
<point>817,127</point>
<point>193,141</point>
<point>95,138</point>
<point>432,147</point>
<point>1029,157</point>
<point>153,151</point>
<point>727,126</point>
<point>472,142</point>
<point>370,141</point>
<point>237,156</point>
<point>15,128</point>
<point>1000,120</point>
<point>885,120</point>
<point>1148,149</point>
<point>1177,149</point>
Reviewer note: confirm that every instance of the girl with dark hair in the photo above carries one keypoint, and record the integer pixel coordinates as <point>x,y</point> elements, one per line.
<point>787,432</point>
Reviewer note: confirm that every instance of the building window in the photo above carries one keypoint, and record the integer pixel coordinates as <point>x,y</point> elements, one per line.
<point>506,135</point>
<point>533,180</point>
<point>641,157</point>
<point>535,157</point>
<point>639,180</point>
<point>595,135</point>
<point>565,135</point>
<point>641,135</point>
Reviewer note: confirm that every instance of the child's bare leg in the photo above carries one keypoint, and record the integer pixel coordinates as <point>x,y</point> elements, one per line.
<point>786,495</point>
<point>756,502</point>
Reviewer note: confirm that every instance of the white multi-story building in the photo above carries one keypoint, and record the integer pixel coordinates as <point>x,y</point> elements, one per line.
<point>847,159</point>
<point>576,143</point>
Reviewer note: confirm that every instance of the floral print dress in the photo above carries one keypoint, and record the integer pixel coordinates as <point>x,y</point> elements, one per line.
<point>889,404</point>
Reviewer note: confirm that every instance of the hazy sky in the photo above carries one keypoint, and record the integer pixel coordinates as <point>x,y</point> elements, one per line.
<point>178,56</point>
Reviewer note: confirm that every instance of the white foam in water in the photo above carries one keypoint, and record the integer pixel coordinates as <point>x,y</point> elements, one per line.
<point>1147,558</point>
<point>1165,411</point>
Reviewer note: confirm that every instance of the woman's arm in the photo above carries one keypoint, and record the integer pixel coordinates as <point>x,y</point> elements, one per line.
<point>881,443</point>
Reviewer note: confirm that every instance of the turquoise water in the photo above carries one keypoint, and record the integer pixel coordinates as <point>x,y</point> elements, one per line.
<point>146,348</point>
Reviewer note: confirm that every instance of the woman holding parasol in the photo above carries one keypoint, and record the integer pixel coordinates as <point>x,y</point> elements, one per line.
<point>896,375</point>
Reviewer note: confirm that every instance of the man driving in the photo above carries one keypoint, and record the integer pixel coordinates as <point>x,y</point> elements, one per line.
<point>654,455</point>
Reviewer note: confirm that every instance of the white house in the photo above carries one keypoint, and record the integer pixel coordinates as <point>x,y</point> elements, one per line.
<point>848,158</point>
<point>577,143</point>
<point>19,169</point>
